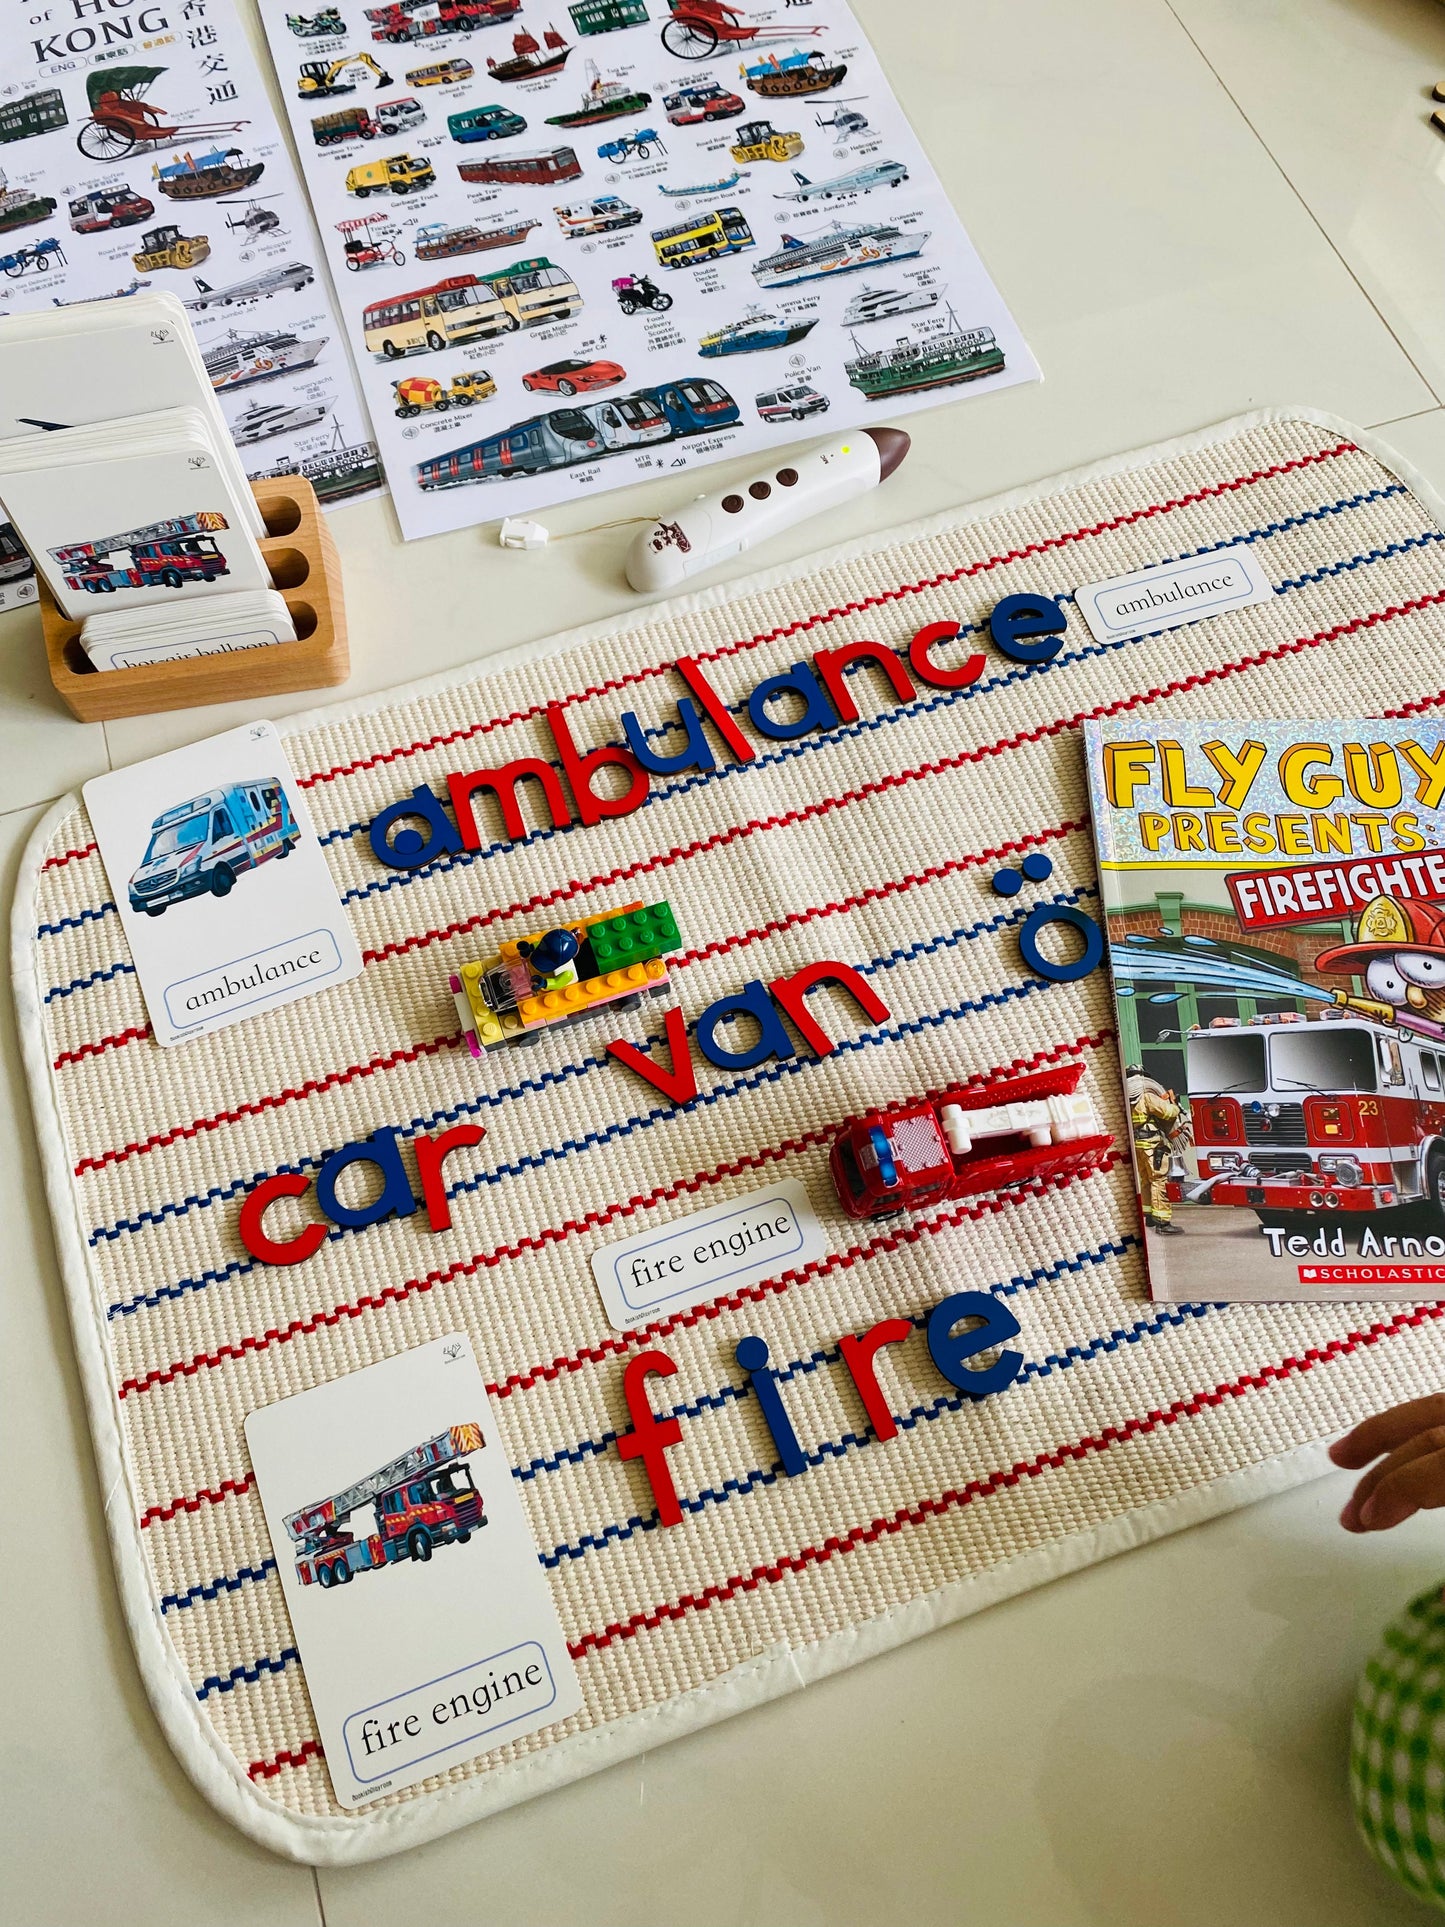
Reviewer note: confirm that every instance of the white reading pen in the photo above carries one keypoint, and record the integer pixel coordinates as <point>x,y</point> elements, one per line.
<point>714,527</point>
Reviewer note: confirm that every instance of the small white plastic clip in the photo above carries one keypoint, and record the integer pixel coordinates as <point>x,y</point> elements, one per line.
<point>515,534</point>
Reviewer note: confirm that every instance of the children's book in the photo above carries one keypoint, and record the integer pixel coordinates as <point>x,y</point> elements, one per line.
<point>1274,899</point>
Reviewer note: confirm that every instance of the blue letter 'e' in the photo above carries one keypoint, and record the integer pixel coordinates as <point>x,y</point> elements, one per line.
<point>949,1349</point>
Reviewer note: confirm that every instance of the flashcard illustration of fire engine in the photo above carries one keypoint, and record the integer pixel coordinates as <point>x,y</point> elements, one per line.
<point>1275,907</point>
<point>419,1605</point>
<point>225,895</point>
<point>131,528</point>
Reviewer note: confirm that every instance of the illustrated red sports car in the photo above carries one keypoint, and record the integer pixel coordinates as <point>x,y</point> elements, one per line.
<point>574,377</point>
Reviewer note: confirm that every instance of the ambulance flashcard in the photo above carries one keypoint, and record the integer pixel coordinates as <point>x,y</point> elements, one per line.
<point>421,1612</point>
<point>223,891</point>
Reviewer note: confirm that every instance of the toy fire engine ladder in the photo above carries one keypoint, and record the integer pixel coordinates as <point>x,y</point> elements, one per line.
<point>321,1520</point>
<point>176,525</point>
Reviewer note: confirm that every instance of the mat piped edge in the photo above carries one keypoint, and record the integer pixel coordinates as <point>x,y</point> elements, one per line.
<point>318,1840</point>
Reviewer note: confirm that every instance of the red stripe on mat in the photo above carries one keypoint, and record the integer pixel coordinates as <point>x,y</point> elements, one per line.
<point>804,623</point>
<point>722,838</point>
<point>290,1094</point>
<point>193,1501</point>
<point>482,1261</point>
<point>68,856</point>
<point>958,1496</point>
<point>101,1044</point>
<point>955,1498</point>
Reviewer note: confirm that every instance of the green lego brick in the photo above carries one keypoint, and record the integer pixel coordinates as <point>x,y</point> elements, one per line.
<point>620,941</point>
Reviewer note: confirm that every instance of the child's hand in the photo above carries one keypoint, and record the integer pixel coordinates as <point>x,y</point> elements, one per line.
<point>1410,1479</point>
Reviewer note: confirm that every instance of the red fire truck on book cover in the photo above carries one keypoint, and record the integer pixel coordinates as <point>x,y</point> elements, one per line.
<point>422,1500</point>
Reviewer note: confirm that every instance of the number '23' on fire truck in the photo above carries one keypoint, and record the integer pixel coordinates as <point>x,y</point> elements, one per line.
<point>424,1499</point>
<point>1012,1131</point>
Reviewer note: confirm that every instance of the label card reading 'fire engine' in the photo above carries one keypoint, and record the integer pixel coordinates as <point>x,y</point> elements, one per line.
<point>420,1609</point>
<point>224,893</point>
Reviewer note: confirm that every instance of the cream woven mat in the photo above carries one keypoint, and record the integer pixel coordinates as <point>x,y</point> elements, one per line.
<point>873,843</point>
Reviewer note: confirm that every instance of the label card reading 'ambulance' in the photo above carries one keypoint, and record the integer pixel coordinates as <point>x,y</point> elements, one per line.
<point>1173,593</point>
<point>421,1612</point>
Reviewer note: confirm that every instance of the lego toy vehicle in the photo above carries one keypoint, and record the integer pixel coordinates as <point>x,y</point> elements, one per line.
<point>320,78</point>
<point>114,207</point>
<point>574,377</point>
<point>759,140</point>
<point>597,217</point>
<point>697,27</point>
<point>565,974</point>
<point>318,25</point>
<point>625,146</point>
<point>634,292</point>
<point>1015,1130</point>
<point>398,173</point>
<point>701,102</point>
<point>793,404</point>
<point>167,247</point>
<point>423,394</point>
<point>862,180</point>
<point>39,257</point>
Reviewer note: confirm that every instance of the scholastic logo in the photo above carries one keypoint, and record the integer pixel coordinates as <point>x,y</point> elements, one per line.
<point>1372,1274</point>
<point>1271,899</point>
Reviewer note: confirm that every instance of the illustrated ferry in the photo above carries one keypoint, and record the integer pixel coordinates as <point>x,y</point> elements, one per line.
<point>837,250</point>
<point>756,330</point>
<point>908,366</point>
<point>240,359</point>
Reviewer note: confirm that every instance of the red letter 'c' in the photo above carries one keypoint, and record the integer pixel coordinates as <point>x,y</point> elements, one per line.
<point>927,671</point>
<point>291,1251</point>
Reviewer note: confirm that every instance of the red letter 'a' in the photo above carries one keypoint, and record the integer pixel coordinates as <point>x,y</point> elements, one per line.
<point>679,1085</point>
<point>791,992</point>
<point>591,808</point>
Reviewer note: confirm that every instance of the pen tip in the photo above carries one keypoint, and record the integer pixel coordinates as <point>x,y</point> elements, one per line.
<point>892,445</point>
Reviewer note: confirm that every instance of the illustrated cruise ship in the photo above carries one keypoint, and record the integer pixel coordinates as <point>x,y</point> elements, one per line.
<point>240,359</point>
<point>837,250</point>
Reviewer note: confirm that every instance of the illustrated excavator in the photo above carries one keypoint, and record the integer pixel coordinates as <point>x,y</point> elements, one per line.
<point>320,78</point>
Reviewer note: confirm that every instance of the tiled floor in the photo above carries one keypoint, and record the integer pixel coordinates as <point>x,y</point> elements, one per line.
<point>1194,208</point>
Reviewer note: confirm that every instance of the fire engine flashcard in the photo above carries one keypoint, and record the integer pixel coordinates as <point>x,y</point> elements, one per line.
<point>420,1610</point>
<point>1275,901</point>
<point>227,901</point>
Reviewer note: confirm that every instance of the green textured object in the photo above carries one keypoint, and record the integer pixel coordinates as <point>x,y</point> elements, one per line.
<point>1397,1749</point>
<point>630,938</point>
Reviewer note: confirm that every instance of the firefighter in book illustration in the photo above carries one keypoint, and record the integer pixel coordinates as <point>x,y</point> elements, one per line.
<point>1157,1123</point>
<point>1399,951</point>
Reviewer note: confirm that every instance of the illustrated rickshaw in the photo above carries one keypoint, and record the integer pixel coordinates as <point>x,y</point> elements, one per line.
<point>123,122</point>
<point>698,27</point>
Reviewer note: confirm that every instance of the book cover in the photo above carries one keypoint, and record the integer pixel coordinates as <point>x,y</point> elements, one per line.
<point>1274,903</point>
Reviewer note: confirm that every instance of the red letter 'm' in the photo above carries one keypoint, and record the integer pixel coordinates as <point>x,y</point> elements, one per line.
<point>503,785</point>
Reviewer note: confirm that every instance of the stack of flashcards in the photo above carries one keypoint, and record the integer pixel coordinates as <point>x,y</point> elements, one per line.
<point>144,510</point>
<point>101,360</point>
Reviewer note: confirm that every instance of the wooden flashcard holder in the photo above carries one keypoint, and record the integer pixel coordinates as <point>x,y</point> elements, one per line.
<point>298,550</point>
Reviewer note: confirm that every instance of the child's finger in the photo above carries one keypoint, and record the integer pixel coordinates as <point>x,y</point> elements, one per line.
<point>1422,1445</point>
<point>1418,1486</point>
<point>1386,1430</point>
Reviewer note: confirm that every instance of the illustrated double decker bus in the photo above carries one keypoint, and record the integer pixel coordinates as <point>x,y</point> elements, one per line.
<point>1296,1117</point>
<point>469,307</point>
<point>688,244</point>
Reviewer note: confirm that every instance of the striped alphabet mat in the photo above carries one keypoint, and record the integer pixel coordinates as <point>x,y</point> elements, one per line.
<point>871,841</point>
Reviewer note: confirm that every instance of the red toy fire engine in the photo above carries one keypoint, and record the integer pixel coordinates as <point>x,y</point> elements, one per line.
<point>1007,1132</point>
